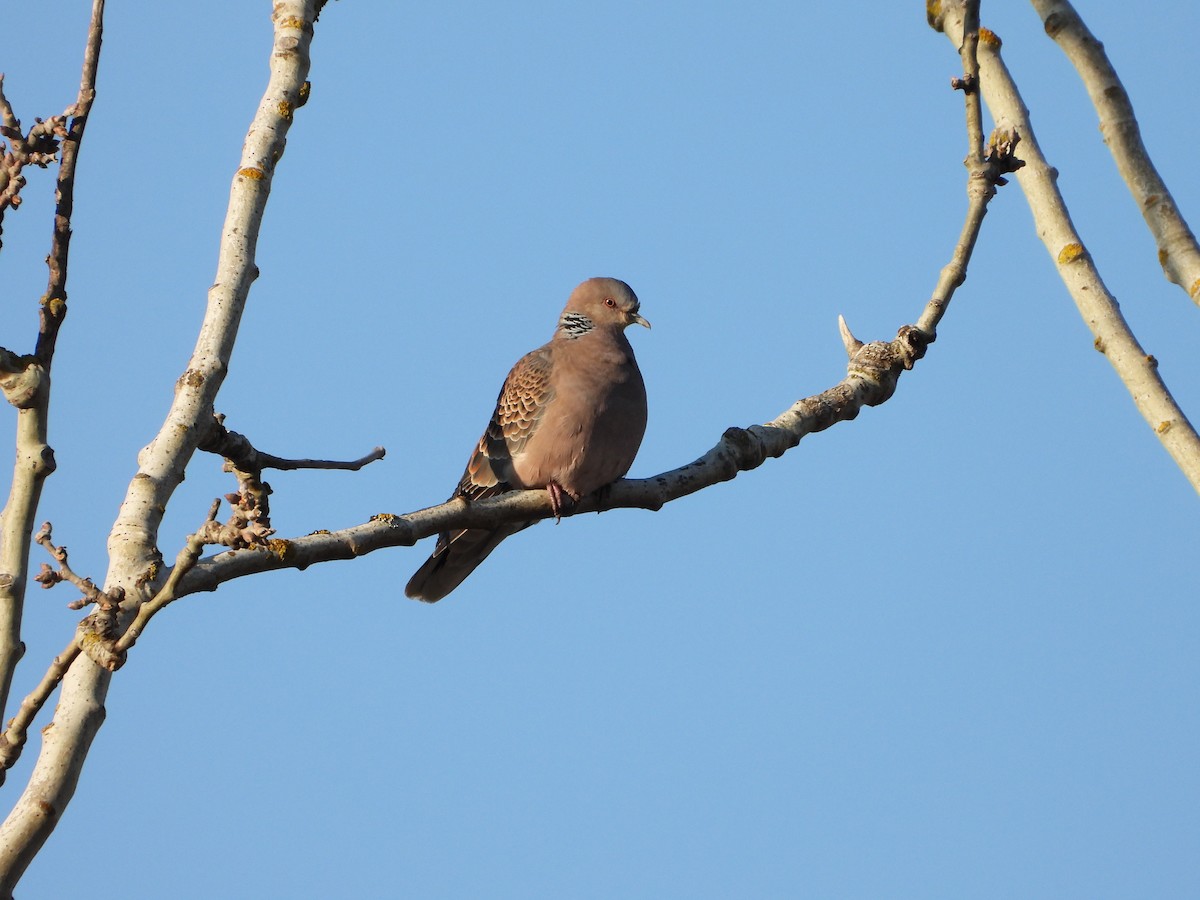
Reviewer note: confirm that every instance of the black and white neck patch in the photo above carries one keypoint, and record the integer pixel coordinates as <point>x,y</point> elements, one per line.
<point>575,324</point>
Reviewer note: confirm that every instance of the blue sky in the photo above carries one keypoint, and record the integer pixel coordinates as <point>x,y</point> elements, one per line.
<point>949,649</point>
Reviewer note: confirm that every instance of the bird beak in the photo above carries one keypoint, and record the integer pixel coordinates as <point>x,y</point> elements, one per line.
<point>634,317</point>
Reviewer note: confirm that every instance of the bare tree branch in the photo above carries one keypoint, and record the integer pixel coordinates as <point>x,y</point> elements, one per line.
<point>250,519</point>
<point>29,389</point>
<point>34,462</point>
<point>54,303</point>
<point>97,635</point>
<point>89,638</point>
<point>872,375</point>
<point>1178,252</point>
<point>986,171</point>
<point>134,559</point>
<point>1112,335</point>
<point>187,558</point>
<point>17,732</point>
<point>237,449</point>
<point>130,596</point>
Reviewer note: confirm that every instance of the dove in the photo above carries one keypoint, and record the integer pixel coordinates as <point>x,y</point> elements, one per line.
<point>570,419</point>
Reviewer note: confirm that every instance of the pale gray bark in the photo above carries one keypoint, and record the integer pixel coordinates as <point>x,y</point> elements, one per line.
<point>139,583</point>
<point>1178,252</point>
<point>1099,309</point>
<point>134,558</point>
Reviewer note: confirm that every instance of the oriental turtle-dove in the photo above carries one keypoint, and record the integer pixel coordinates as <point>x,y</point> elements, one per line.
<point>570,418</point>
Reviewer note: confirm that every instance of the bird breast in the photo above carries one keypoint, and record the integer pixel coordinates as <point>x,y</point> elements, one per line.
<point>590,432</point>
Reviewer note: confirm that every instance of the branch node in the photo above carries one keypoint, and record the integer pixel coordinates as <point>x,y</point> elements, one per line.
<point>21,380</point>
<point>102,650</point>
<point>1001,153</point>
<point>968,83</point>
<point>749,452</point>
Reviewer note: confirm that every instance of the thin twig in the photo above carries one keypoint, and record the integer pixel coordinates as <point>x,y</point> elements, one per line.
<point>969,83</point>
<point>985,172</point>
<point>50,577</point>
<point>17,732</point>
<point>54,303</point>
<point>168,593</point>
<point>353,465</point>
<point>243,455</point>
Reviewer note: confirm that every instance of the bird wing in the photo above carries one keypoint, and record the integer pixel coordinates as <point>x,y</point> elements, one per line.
<point>523,400</point>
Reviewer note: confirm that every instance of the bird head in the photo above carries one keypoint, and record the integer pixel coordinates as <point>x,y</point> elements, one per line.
<point>604,302</point>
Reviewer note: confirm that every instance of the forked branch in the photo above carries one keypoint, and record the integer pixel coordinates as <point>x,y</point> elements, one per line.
<point>1111,333</point>
<point>871,378</point>
<point>133,554</point>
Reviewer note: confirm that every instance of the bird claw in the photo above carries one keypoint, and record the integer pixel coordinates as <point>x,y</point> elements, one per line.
<point>557,493</point>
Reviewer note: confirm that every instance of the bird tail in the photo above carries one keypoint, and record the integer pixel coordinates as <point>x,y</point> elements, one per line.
<point>454,559</point>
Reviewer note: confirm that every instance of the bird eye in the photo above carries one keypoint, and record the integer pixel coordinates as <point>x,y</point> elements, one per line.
<point>610,302</point>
